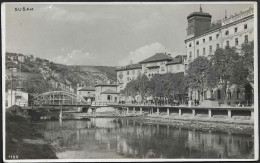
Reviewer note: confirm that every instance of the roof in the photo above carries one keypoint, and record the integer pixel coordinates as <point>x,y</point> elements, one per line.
<point>109,91</point>
<point>157,57</point>
<point>155,66</point>
<point>105,84</point>
<point>175,61</point>
<point>199,14</point>
<point>87,89</point>
<point>129,67</point>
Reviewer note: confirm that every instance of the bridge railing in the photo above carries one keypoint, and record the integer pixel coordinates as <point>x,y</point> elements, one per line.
<point>235,103</point>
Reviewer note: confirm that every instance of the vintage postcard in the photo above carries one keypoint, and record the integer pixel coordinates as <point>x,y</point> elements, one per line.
<point>129,81</point>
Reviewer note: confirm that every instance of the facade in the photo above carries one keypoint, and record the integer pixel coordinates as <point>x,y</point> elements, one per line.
<point>126,74</point>
<point>17,98</point>
<point>204,37</point>
<point>176,65</point>
<point>160,63</point>
<point>106,93</point>
<point>21,58</point>
<point>87,93</point>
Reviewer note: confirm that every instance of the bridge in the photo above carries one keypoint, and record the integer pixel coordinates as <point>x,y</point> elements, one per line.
<point>60,98</point>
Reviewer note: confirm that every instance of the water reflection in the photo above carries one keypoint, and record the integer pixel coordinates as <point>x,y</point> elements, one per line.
<point>121,138</point>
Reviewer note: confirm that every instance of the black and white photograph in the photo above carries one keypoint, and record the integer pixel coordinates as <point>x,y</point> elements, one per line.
<point>129,81</point>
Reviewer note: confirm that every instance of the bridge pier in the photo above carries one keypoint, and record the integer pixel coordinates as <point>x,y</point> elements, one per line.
<point>229,114</point>
<point>141,110</point>
<point>157,111</point>
<point>168,112</point>
<point>133,109</point>
<point>79,109</point>
<point>127,110</point>
<point>252,114</point>
<point>193,112</point>
<point>210,113</point>
<point>179,112</point>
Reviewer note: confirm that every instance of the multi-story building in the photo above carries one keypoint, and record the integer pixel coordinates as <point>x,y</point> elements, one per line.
<point>204,37</point>
<point>126,74</point>
<point>106,93</point>
<point>86,92</point>
<point>160,63</point>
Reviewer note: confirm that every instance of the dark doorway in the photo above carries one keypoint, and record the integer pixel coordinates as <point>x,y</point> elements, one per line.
<point>248,93</point>
<point>219,94</point>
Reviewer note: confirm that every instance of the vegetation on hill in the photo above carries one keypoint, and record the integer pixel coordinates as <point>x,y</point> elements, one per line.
<point>36,75</point>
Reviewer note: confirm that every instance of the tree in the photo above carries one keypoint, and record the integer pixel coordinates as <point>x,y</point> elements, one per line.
<point>197,74</point>
<point>140,86</point>
<point>223,68</point>
<point>170,86</point>
<point>247,52</point>
<point>143,86</point>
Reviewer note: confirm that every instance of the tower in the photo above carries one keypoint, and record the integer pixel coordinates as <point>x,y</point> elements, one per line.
<point>198,22</point>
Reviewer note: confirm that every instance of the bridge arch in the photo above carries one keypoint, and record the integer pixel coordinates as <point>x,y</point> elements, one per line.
<point>59,98</point>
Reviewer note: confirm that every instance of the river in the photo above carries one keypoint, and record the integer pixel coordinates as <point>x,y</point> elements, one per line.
<point>113,138</point>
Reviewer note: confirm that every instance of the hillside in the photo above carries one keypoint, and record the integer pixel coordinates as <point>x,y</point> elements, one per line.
<point>36,75</point>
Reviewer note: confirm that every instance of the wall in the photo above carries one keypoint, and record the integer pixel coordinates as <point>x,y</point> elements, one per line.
<point>18,98</point>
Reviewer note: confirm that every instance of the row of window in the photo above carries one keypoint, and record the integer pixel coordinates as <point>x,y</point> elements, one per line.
<point>133,72</point>
<point>110,98</point>
<point>235,29</point>
<point>217,35</point>
<point>217,46</point>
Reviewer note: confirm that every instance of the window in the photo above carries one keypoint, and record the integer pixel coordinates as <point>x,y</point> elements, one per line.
<point>198,53</point>
<point>190,55</point>
<point>227,43</point>
<point>108,97</point>
<point>210,49</point>
<point>246,39</point>
<point>235,29</point>
<point>162,68</point>
<point>204,51</point>
<point>217,46</point>
<point>204,40</point>
<point>190,45</point>
<point>227,32</point>
<point>210,38</point>
<point>197,43</point>
<point>236,41</point>
<point>217,35</point>
<point>245,26</point>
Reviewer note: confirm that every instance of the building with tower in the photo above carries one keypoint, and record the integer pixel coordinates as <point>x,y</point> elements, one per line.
<point>204,37</point>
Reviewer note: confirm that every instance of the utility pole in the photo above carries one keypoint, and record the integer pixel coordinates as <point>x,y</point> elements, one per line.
<point>11,86</point>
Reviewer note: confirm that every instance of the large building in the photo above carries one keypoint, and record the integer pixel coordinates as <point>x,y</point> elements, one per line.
<point>204,37</point>
<point>160,63</point>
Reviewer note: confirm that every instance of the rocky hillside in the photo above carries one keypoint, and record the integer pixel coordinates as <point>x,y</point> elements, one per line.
<point>37,75</point>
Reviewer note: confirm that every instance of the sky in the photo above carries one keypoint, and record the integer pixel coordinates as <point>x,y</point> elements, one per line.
<point>103,34</point>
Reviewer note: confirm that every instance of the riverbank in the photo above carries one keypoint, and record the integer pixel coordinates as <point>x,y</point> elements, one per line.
<point>23,140</point>
<point>236,125</point>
